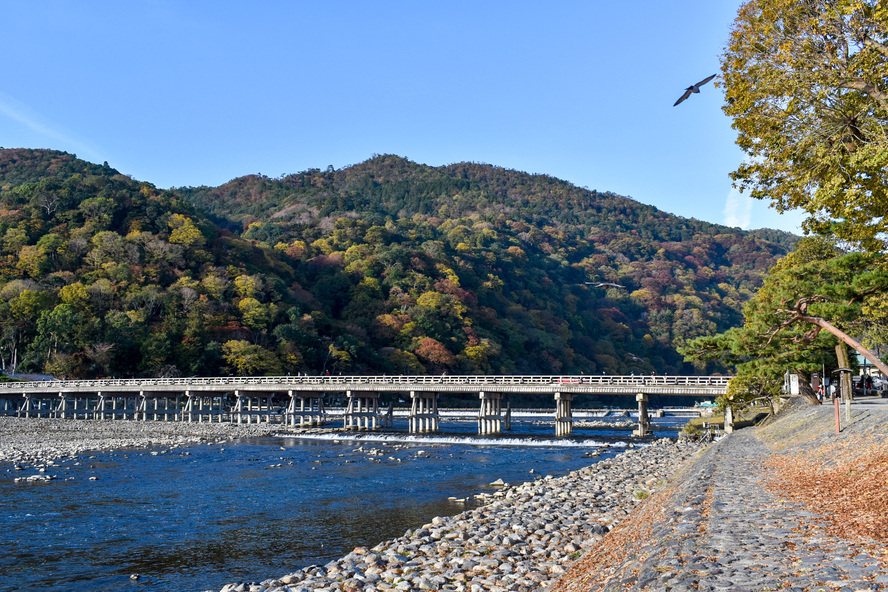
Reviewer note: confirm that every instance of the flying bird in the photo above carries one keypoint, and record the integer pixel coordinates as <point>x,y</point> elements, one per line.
<point>604,284</point>
<point>694,88</point>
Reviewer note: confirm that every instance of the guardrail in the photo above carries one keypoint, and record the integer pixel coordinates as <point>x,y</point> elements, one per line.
<point>356,381</point>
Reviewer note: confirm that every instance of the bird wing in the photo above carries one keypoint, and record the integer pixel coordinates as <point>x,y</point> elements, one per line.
<point>686,94</point>
<point>704,81</point>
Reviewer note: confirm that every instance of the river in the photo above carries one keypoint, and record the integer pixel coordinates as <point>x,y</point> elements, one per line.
<point>197,517</point>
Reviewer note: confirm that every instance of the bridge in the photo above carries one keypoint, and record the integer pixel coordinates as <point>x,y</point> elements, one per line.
<point>299,400</point>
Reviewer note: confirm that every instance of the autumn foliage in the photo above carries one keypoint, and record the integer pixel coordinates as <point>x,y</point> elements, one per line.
<point>387,266</point>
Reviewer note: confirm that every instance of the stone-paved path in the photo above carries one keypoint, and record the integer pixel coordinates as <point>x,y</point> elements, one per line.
<point>753,540</point>
<point>720,528</point>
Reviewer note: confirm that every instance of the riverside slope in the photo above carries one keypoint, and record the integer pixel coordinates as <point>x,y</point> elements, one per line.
<point>723,524</point>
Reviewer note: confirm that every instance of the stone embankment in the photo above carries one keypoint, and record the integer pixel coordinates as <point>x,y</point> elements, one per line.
<point>523,537</point>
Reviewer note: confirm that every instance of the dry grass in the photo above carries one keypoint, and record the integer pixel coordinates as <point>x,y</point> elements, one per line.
<point>615,557</point>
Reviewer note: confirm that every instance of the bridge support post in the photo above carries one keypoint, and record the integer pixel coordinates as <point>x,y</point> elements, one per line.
<point>644,420</point>
<point>311,408</point>
<point>563,414</point>
<point>348,419</point>
<point>362,411</point>
<point>239,406</point>
<point>189,404</point>
<point>423,413</point>
<point>490,416</point>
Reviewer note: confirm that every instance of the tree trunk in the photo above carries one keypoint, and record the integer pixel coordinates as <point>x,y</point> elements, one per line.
<point>844,377</point>
<point>856,345</point>
<point>805,389</point>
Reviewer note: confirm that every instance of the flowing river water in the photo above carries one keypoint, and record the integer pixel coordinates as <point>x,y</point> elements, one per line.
<point>197,517</point>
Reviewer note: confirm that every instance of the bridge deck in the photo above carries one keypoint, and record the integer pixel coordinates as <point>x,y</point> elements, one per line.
<point>598,384</point>
<point>210,398</point>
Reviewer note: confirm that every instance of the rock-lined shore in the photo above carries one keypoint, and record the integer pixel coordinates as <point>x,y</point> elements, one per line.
<point>523,538</point>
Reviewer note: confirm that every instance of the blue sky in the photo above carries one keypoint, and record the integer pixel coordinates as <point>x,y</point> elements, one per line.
<point>198,93</point>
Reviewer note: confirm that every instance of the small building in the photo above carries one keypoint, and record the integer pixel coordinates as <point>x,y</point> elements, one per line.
<point>707,408</point>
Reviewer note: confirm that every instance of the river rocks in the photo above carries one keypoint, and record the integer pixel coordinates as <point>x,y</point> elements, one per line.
<point>34,478</point>
<point>523,538</point>
<point>36,442</point>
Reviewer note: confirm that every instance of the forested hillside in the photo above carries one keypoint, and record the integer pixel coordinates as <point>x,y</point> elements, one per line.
<point>383,267</point>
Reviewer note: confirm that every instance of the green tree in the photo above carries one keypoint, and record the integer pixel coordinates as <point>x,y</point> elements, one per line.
<point>247,359</point>
<point>806,83</point>
<point>57,332</point>
<point>812,299</point>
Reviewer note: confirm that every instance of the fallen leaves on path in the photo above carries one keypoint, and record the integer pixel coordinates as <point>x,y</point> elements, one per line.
<point>846,482</point>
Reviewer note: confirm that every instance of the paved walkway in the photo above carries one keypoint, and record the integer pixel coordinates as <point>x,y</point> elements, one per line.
<point>751,540</point>
<point>720,528</point>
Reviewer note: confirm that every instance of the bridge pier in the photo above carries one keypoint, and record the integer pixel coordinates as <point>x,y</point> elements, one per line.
<point>116,406</point>
<point>644,420</point>
<point>39,406</point>
<point>311,408</point>
<point>63,409</point>
<point>423,413</point>
<point>491,419</point>
<point>143,407</point>
<point>203,405</point>
<point>362,412</point>
<point>250,405</point>
<point>563,414</point>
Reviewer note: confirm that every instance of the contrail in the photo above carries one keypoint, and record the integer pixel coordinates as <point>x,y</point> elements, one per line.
<point>57,139</point>
<point>738,209</point>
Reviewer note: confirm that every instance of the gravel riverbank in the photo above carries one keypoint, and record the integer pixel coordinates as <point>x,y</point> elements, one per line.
<point>35,441</point>
<point>523,538</point>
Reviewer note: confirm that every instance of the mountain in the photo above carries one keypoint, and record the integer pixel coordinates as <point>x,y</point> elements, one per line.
<point>386,266</point>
